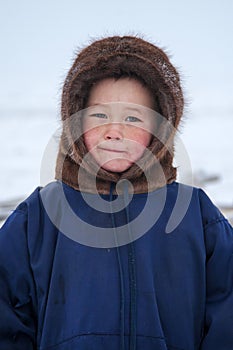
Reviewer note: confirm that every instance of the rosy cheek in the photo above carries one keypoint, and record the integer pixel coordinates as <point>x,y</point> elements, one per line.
<point>141,137</point>
<point>89,140</point>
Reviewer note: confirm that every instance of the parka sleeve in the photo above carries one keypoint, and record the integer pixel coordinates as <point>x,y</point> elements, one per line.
<point>17,292</point>
<point>218,329</point>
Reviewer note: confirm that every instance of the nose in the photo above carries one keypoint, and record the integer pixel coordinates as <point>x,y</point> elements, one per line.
<point>114,131</point>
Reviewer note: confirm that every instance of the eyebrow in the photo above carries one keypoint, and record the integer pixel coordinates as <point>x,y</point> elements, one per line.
<point>133,109</point>
<point>104,105</point>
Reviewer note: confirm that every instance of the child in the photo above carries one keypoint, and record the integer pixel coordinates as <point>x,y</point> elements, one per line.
<point>115,254</point>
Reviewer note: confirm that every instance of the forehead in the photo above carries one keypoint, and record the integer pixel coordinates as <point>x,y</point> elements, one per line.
<point>127,90</point>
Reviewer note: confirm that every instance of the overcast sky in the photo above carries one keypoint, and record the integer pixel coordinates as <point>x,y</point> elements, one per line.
<point>39,38</point>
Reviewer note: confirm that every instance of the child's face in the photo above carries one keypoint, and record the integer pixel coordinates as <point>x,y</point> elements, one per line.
<point>116,134</point>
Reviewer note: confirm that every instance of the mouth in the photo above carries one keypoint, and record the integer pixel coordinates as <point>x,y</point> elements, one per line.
<point>112,150</point>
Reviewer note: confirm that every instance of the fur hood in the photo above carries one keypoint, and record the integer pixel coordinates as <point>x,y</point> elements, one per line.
<point>119,57</point>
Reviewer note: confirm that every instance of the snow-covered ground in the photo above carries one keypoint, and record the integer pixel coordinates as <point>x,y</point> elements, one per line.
<point>207,140</point>
<point>23,138</point>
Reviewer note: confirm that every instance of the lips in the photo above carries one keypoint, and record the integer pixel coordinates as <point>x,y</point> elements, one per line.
<point>115,150</point>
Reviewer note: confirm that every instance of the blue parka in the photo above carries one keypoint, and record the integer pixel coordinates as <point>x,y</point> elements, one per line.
<point>166,288</point>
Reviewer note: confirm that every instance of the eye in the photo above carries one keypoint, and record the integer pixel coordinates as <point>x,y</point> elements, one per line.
<point>132,119</point>
<point>99,115</point>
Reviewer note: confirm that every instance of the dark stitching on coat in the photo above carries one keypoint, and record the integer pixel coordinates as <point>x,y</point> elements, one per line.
<point>20,211</point>
<point>216,221</point>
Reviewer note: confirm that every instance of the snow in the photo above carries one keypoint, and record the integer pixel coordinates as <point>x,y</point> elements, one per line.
<point>209,142</point>
<point>23,137</point>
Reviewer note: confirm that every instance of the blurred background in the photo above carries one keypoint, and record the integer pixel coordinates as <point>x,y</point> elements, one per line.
<point>38,43</point>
